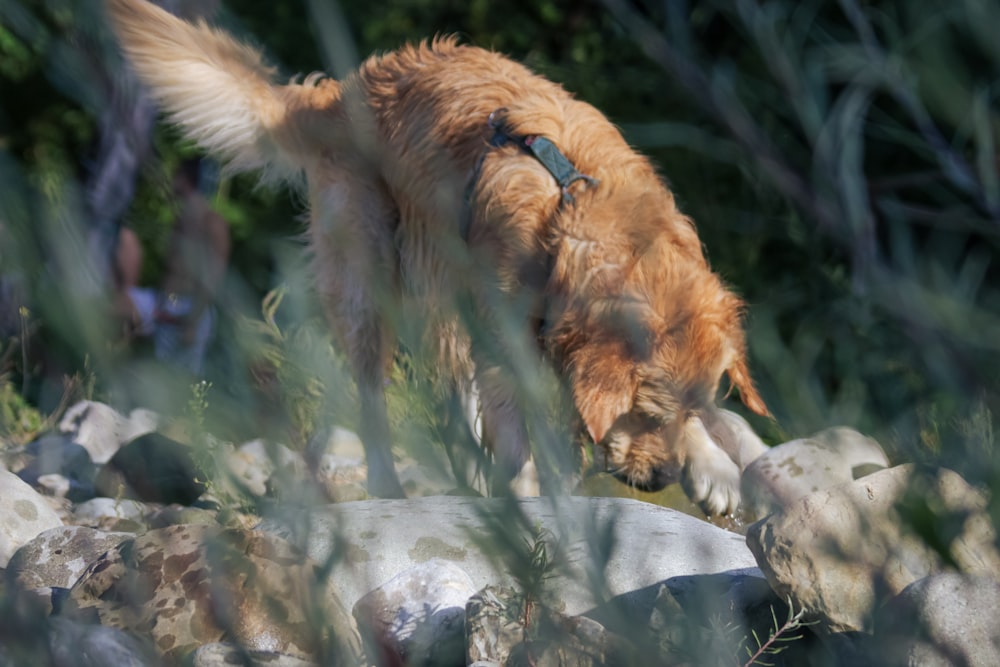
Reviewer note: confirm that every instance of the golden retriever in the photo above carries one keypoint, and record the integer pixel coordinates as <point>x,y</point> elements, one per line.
<point>428,190</point>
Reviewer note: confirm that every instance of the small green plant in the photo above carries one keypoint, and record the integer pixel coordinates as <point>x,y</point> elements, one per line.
<point>207,453</point>
<point>689,633</point>
<point>778,638</point>
<point>204,449</point>
<point>289,366</point>
<point>531,554</point>
<point>198,404</point>
<point>19,421</point>
<point>533,578</point>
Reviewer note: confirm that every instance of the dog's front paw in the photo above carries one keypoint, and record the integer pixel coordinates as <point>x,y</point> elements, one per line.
<point>712,480</point>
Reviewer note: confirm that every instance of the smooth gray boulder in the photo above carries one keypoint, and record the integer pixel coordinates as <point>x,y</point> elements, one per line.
<point>945,620</point>
<point>597,548</point>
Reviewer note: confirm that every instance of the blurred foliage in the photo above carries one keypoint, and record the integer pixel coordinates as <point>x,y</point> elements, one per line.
<point>840,160</point>
<point>870,207</point>
<point>19,422</point>
<point>284,367</point>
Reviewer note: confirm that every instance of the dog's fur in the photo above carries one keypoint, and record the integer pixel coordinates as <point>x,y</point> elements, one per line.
<point>399,168</point>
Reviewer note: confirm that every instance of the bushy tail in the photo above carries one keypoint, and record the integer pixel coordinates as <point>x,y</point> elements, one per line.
<point>220,92</point>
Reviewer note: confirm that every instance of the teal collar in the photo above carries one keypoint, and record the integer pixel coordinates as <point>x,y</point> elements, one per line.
<point>542,148</point>
<point>545,151</point>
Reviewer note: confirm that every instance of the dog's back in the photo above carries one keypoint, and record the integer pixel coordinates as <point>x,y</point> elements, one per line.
<point>414,121</point>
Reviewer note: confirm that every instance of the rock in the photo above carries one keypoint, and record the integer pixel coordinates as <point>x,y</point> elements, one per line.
<point>419,480</point>
<point>58,556</point>
<point>629,545</point>
<point>54,485</point>
<point>24,632</point>
<point>789,471</point>
<point>493,625</point>
<point>99,428</point>
<point>250,469</point>
<point>842,551</point>
<point>24,514</point>
<point>343,442</point>
<point>47,600</point>
<point>152,468</point>
<point>714,620</point>
<point>58,455</point>
<point>111,514</point>
<point>173,515</point>
<point>944,620</point>
<point>185,586</point>
<point>418,616</point>
<point>86,645</point>
<point>140,422</point>
<point>506,629</point>
<point>341,478</point>
<point>338,465</point>
<point>221,654</point>
<point>253,464</point>
<point>564,645</point>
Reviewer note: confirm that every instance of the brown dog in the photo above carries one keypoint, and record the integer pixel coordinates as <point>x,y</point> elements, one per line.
<point>444,174</point>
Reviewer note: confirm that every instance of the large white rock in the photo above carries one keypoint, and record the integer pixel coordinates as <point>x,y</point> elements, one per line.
<point>99,428</point>
<point>626,545</point>
<point>24,514</point>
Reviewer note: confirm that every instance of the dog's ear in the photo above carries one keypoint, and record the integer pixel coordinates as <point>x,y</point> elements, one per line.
<point>739,375</point>
<point>604,384</point>
<point>731,310</point>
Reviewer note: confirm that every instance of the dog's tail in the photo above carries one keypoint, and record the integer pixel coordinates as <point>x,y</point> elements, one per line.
<point>220,92</point>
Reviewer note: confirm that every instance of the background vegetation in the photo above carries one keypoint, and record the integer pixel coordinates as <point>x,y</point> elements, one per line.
<point>840,159</point>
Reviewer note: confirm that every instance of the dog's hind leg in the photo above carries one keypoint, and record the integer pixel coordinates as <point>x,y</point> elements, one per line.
<point>351,231</point>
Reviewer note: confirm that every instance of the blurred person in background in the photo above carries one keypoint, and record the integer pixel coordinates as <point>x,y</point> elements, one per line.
<point>180,316</point>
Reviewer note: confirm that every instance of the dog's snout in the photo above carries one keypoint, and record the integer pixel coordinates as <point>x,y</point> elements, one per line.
<point>656,479</point>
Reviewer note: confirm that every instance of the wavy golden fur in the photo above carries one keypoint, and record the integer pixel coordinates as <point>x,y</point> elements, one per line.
<point>614,283</point>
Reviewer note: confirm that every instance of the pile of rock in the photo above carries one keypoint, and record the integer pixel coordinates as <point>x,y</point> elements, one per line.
<point>902,560</point>
<point>116,552</point>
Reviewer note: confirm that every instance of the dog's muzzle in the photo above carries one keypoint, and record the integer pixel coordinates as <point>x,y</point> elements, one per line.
<point>657,480</point>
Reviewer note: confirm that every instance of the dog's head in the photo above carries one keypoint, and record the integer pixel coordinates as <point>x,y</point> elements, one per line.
<point>639,380</point>
<point>644,340</point>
